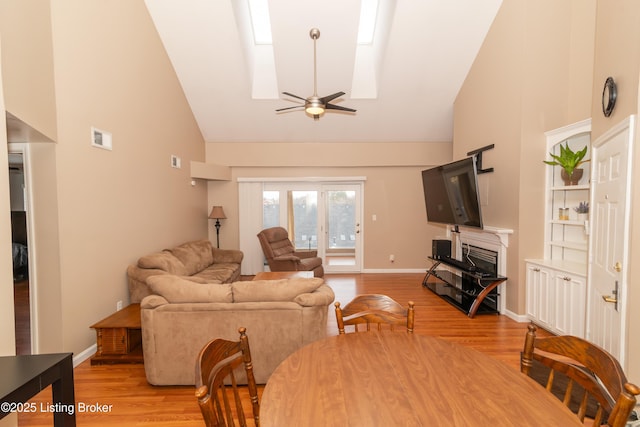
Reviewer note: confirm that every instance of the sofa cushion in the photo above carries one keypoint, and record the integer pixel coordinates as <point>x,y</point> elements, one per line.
<point>177,289</point>
<point>163,261</point>
<point>196,255</point>
<point>217,272</point>
<point>273,290</point>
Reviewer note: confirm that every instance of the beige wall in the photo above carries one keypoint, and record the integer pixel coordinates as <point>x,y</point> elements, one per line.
<point>97,210</point>
<point>28,62</point>
<point>532,74</point>
<point>7,338</point>
<point>392,191</point>
<point>617,55</point>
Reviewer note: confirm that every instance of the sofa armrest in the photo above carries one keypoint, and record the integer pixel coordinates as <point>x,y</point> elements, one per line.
<point>137,281</point>
<point>285,258</point>
<point>227,256</point>
<point>306,254</point>
<point>324,295</point>
<point>152,301</point>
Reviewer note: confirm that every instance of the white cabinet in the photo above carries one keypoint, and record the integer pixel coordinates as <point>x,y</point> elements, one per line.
<point>556,298</point>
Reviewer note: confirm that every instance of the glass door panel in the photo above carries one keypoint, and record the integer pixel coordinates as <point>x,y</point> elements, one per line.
<point>303,224</point>
<point>270,209</point>
<point>342,228</point>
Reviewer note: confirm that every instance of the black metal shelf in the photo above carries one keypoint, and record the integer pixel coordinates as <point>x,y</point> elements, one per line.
<point>471,292</point>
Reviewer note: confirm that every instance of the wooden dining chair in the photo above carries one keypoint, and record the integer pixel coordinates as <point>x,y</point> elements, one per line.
<point>216,382</point>
<point>587,372</point>
<point>377,309</point>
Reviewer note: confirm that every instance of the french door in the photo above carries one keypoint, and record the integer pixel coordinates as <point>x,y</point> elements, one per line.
<point>342,228</point>
<point>318,216</point>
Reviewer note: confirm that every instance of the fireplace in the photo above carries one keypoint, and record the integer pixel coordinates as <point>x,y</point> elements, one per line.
<point>484,259</point>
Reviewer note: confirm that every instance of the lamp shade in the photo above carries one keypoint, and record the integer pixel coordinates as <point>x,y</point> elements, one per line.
<point>217,213</point>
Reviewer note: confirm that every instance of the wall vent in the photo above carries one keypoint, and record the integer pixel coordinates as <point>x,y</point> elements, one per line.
<point>101,139</point>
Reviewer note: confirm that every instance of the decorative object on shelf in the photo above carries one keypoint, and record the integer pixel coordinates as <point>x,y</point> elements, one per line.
<point>569,160</point>
<point>217,213</point>
<point>609,96</point>
<point>582,210</point>
<point>563,214</point>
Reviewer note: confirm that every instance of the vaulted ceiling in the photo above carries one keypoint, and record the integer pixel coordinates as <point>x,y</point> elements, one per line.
<point>403,87</point>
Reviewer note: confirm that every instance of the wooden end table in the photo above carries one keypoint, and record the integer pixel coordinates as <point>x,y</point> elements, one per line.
<point>119,337</point>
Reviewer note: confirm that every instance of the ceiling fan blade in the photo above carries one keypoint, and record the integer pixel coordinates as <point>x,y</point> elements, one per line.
<point>289,108</point>
<point>328,98</point>
<point>294,96</point>
<point>338,107</point>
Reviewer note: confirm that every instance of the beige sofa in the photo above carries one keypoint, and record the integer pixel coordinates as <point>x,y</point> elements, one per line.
<point>182,316</point>
<point>198,260</point>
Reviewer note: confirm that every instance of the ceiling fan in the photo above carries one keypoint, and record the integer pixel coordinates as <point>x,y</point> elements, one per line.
<point>315,105</point>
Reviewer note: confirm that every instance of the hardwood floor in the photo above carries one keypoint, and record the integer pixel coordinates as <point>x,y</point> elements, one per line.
<point>135,403</point>
<point>22,316</point>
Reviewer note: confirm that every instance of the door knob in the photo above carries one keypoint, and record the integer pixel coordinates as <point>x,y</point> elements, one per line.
<point>617,267</point>
<point>612,298</point>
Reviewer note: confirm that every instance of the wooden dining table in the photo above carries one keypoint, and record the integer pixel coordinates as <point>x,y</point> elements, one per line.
<point>394,378</point>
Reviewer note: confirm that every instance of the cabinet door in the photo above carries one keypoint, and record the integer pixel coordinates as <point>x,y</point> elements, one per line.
<point>540,305</point>
<point>570,296</point>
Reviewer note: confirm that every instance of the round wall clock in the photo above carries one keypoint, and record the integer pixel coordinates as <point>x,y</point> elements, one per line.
<point>609,95</point>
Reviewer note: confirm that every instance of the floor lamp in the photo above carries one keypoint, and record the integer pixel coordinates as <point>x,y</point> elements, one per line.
<point>217,213</point>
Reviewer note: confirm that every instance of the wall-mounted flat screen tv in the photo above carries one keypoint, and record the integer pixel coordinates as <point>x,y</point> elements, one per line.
<point>451,193</point>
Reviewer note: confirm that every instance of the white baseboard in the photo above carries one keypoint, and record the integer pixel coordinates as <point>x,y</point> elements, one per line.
<point>84,355</point>
<point>520,318</point>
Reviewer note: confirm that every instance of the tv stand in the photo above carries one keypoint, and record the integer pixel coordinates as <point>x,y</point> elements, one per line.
<point>471,292</point>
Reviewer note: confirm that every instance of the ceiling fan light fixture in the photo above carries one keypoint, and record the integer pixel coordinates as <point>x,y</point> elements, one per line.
<point>315,108</point>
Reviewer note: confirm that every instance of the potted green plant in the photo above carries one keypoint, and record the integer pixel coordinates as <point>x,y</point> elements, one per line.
<point>569,160</point>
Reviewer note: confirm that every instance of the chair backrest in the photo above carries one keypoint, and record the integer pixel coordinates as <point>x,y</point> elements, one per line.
<point>215,367</point>
<point>600,377</point>
<point>275,242</point>
<point>374,308</point>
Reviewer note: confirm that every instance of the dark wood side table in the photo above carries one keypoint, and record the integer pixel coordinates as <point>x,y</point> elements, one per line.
<point>25,376</point>
<point>119,337</point>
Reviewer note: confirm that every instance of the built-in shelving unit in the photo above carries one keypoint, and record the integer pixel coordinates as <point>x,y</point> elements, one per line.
<point>556,284</point>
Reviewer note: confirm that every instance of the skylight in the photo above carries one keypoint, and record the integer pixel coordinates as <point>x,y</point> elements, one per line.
<point>368,17</point>
<point>260,21</point>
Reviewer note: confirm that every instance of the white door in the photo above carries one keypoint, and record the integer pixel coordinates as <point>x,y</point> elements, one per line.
<point>608,265</point>
<point>342,227</point>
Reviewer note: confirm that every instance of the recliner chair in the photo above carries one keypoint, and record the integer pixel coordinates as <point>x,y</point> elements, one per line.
<point>282,255</point>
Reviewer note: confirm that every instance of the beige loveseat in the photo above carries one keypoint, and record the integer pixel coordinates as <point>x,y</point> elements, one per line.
<point>197,260</point>
<point>182,316</point>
